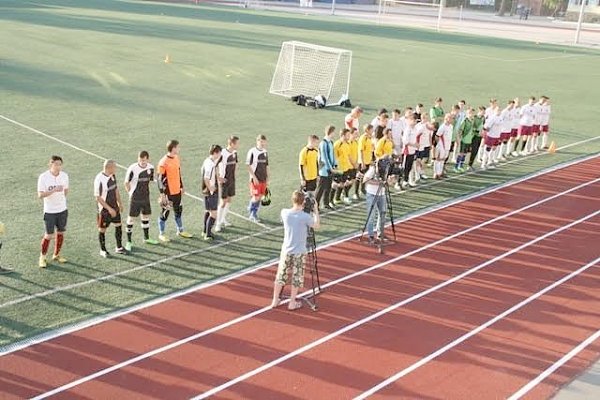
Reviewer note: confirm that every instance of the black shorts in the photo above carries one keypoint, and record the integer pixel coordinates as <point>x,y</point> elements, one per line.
<point>423,154</point>
<point>352,174</point>
<point>104,219</point>
<point>340,178</point>
<point>175,199</point>
<point>137,208</point>
<point>56,221</point>
<point>211,201</point>
<point>465,147</point>
<point>311,185</point>
<point>228,189</point>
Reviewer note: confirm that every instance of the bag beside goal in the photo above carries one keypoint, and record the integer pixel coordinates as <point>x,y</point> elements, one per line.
<point>311,70</point>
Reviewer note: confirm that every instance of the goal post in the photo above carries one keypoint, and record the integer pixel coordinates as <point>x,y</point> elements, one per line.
<point>422,8</point>
<point>312,70</point>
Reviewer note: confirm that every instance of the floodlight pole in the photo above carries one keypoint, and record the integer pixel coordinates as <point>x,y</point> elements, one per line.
<point>579,21</point>
<point>439,20</point>
<point>333,7</point>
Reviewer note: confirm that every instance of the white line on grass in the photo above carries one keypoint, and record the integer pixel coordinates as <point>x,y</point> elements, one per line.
<point>387,310</point>
<point>550,370</point>
<point>29,128</point>
<point>475,331</point>
<point>94,321</point>
<point>331,283</point>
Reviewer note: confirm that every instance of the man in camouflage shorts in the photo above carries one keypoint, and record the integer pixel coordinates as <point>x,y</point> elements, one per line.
<point>296,224</point>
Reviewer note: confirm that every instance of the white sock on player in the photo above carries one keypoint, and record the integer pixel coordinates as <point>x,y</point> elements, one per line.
<point>544,140</point>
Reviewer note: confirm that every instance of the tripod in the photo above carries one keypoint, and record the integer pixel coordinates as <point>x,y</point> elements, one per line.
<point>311,263</point>
<point>383,185</point>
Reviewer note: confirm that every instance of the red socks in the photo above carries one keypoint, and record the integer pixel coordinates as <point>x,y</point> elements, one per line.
<point>58,243</point>
<point>45,245</point>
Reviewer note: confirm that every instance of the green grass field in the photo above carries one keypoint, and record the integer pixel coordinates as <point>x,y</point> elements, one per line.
<point>91,73</point>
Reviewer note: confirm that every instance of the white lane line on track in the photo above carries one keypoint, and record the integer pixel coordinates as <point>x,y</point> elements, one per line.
<point>550,370</point>
<point>475,331</point>
<point>341,331</point>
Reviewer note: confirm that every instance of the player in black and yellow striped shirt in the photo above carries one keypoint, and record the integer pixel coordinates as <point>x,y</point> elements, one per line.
<point>309,165</point>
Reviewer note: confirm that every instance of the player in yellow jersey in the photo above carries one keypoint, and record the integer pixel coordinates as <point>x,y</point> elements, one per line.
<point>341,149</point>
<point>385,145</point>
<point>365,154</point>
<point>309,165</point>
<point>353,142</point>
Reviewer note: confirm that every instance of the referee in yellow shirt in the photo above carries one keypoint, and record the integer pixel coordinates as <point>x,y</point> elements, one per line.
<point>309,165</point>
<point>341,149</point>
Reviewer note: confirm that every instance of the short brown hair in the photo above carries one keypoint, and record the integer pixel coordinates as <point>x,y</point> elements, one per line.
<point>261,137</point>
<point>172,144</point>
<point>232,139</point>
<point>313,137</point>
<point>329,129</point>
<point>143,154</point>
<point>298,198</point>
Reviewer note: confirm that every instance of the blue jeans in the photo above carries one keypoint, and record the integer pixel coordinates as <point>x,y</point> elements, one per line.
<point>378,211</point>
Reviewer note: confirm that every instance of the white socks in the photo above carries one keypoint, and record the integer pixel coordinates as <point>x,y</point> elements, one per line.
<point>544,140</point>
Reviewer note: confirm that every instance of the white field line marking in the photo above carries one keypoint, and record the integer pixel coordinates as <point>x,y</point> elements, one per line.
<point>331,283</point>
<point>564,359</point>
<point>29,128</point>
<point>94,321</point>
<point>387,310</point>
<point>480,328</point>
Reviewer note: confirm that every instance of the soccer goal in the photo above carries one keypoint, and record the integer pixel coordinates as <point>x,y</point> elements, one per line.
<point>312,70</point>
<point>422,9</point>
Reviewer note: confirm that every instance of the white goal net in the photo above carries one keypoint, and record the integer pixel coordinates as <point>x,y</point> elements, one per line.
<point>312,70</point>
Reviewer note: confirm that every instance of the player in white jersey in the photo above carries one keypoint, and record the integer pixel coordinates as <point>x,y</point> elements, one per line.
<point>53,187</point>
<point>377,120</point>
<point>493,126</point>
<point>396,124</point>
<point>411,145</point>
<point>535,129</point>
<point>442,148</point>
<point>514,129</point>
<point>137,183</point>
<point>526,126</point>
<point>352,119</point>
<point>545,121</point>
<point>503,148</point>
<point>424,132</point>
<point>210,190</point>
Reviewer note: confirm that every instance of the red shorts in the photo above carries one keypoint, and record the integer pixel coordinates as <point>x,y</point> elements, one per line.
<point>545,128</point>
<point>491,141</point>
<point>258,189</point>
<point>514,132</point>
<point>504,136</point>
<point>535,130</point>
<point>525,130</point>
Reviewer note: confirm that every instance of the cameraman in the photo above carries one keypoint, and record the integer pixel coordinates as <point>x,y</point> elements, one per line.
<point>374,180</point>
<point>296,225</point>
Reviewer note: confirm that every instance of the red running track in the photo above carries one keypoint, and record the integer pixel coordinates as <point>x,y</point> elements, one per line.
<point>353,362</point>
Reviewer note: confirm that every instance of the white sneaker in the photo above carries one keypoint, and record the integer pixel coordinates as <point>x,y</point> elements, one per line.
<point>501,158</point>
<point>226,223</point>
<point>412,184</point>
<point>104,254</point>
<point>397,186</point>
<point>424,177</point>
<point>254,219</point>
<point>514,153</point>
<point>347,201</point>
<point>217,228</point>
<point>163,238</point>
<point>404,185</point>
<point>355,197</point>
<point>491,166</point>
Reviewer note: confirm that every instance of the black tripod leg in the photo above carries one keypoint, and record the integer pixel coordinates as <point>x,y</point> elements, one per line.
<point>391,211</point>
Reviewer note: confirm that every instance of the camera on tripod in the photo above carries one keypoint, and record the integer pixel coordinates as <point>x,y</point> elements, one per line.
<point>389,166</point>
<point>309,203</point>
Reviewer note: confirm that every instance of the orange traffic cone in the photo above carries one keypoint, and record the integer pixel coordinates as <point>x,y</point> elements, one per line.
<point>552,148</point>
<point>168,59</point>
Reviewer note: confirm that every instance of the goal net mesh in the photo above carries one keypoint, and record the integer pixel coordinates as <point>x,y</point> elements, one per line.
<point>312,70</point>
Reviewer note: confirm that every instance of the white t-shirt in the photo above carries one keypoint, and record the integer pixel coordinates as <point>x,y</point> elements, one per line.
<point>210,171</point>
<point>370,186</point>
<point>351,122</point>
<point>397,126</point>
<point>410,136</point>
<point>545,111</point>
<point>538,114</point>
<point>445,136</point>
<point>494,126</point>
<point>514,117</point>
<point>56,202</point>
<point>505,116</point>
<point>425,135</point>
<point>527,115</point>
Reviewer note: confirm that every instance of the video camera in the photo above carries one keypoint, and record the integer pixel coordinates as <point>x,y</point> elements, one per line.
<point>309,203</point>
<point>389,166</point>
